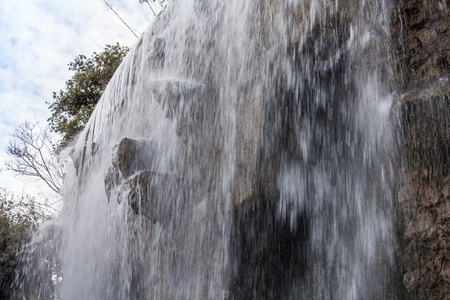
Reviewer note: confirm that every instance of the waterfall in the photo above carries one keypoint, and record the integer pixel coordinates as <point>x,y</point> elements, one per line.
<point>237,153</point>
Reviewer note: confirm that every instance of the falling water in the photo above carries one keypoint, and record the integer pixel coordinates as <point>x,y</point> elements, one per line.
<point>235,154</point>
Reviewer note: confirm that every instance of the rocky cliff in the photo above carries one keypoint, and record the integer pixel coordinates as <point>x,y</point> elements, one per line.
<point>239,153</point>
<point>421,38</point>
<point>242,147</point>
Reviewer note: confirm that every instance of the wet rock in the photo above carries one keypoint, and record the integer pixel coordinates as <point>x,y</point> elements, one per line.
<point>139,175</point>
<point>424,195</point>
<point>158,56</point>
<point>137,155</point>
<point>265,247</point>
<point>132,156</point>
<point>424,86</point>
<point>424,46</point>
<point>151,194</point>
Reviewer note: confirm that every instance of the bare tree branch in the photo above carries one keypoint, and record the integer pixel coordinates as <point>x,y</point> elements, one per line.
<point>34,155</point>
<point>146,1</point>
<point>115,12</point>
<point>159,4</point>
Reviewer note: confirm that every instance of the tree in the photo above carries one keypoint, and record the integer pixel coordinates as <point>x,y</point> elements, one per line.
<point>34,154</point>
<point>72,107</point>
<point>19,218</point>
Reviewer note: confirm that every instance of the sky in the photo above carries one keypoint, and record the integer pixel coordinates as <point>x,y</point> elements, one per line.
<point>38,38</point>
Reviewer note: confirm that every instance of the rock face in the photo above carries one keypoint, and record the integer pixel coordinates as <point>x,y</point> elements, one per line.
<point>422,39</point>
<point>277,177</point>
<point>265,247</point>
<point>238,153</point>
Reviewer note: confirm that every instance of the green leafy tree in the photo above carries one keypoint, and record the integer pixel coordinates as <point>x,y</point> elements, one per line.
<point>19,217</point>
<point>72,107</point>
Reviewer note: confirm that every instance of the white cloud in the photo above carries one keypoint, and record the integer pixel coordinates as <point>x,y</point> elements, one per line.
<point>37,41</point>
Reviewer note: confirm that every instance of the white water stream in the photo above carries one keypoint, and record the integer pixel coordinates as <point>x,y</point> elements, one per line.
<point>261,126</point>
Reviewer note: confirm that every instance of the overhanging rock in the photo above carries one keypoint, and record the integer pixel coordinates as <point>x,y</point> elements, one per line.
<point>139,175</point>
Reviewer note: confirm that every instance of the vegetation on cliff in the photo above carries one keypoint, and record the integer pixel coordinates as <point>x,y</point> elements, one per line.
<point>72,107</point>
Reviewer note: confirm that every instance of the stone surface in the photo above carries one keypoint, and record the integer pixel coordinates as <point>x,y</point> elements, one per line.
<point>136,176</point>
<point>264,248</point>
<point>137,155</point>
<point>421,40</point>
<point>421,35</point>
<point>145,194</point>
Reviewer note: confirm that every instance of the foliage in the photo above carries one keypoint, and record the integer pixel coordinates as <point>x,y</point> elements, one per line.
<point>72,107</point>
<point>19,217</point>
<point>34,154</point>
